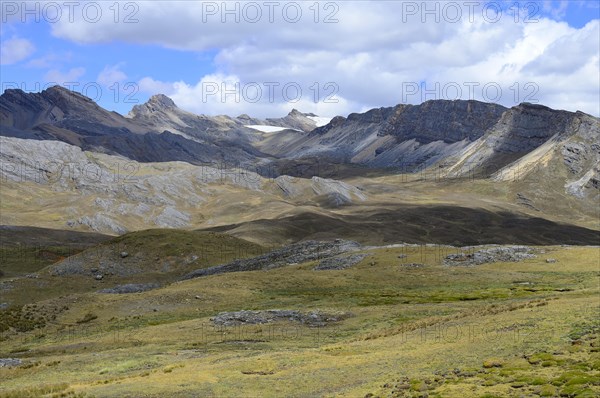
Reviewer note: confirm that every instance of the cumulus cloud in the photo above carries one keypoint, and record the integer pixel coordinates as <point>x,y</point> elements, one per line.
<point>227,94</point>
<point>15,50</point>
<point>150,86</point>
<point>564,55</point>
<point>375,52</point>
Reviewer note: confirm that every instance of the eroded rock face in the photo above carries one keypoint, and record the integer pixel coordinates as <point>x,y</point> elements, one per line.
<point>347,192</point>
<point>448,121</point>
<point>582,159</point>
<point>405,136</point>
<point>574,154</point>
<point>526,127</point>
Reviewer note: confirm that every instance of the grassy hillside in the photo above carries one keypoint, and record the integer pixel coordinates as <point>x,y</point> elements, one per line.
<point>157,256</point>
<point>24,250</point>
<point>401,324</point>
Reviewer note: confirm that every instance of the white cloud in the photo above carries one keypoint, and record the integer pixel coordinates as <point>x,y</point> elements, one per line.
<point>373,53</point>
<point>563,56</point>
<point>218,94</point>
<point>60,78</point>
<point>15,50</point>
<point>111,75</point>
<point>150,86</point>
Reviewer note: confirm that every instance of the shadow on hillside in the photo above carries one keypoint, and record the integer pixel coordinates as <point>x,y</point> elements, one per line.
<point>452,225</point>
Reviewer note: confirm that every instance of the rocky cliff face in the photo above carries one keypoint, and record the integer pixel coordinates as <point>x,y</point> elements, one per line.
<point>526,128</point>
<point>406,137</point>
<point>558,150</point>
<point>448,121</point>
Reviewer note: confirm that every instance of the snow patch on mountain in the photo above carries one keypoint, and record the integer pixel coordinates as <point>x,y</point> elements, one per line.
<point>319,120</point>
<point>268,129</point>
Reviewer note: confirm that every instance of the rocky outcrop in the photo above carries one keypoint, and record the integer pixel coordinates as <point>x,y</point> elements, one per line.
<point>490,255</point>
<point>111,194</point>
<point>98,222</point>
<point>337,263</point>
<point>328,192</point>
<point>448,121</point>
<point>293,254</point>
<point>575,154</point>
<point>325,186</point>
<point>130,288</point>
<point>10,362</point>
<point>313,318</point>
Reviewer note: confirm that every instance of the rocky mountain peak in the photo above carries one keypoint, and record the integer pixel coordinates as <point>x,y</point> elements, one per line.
<point>162,101</point>
<point>55,96</point>
<point>65,98</point>
<point>13,93</point>
<point>296,113</point>
<point>23,110</point>
<point>158,102</point>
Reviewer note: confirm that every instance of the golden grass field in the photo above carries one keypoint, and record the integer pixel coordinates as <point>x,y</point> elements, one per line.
<point>494,330</point>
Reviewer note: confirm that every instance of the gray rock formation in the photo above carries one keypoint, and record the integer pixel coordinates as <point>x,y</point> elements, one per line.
<point>337,263</point>
<point>522,130</point>
<point>130,288</point>
<point>313,318</point>
<point>490,255</point>
<point>406,137</point>
<point>10,362</point>
<point>293,254</point>
<point>459,136</point>
<point>105,193</point>
<point>155,132</point>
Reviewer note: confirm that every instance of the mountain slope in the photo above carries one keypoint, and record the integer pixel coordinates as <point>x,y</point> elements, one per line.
<point>51,183</point>
<point>405,137</point>
<point>156,131</point>
<point>546,149</point>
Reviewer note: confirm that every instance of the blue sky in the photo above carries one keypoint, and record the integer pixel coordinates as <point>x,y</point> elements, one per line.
<point>368,57</point>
